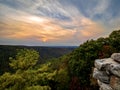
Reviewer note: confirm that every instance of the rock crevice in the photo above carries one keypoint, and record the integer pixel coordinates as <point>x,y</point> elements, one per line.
<point>107,72</point>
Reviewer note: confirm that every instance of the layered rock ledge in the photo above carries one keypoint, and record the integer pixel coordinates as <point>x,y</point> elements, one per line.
<point>107,72</point>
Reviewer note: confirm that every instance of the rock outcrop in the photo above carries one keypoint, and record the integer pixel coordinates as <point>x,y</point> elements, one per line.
<point>107,72</point>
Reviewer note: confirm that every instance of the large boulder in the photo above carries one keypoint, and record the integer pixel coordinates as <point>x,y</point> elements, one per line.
<point>101,75</point>
<point>103,64</point>
<point>115,69</point>
<point>107,72</point>
<point>116,57</point>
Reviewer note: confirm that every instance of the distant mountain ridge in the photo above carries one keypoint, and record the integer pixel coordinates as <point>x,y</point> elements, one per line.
<point>49,51</point>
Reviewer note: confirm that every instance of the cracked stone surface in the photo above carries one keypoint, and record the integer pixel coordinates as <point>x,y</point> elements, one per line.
<point>116,57</point>
<point>107,72</point>
<point>101,75</point>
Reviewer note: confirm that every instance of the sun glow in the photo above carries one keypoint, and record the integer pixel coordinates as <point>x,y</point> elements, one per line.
<point>36,19</point>
<point>44,39</point>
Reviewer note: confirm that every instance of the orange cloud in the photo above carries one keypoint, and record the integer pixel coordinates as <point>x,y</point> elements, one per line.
<point>43,31</point>
<point>48,30</point>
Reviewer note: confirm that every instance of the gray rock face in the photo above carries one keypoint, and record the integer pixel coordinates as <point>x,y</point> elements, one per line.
<point>101,75</point>
<point>108,65</point>
<point>101,64</point>
<point>116,57</point>
<point>104,86</point>
<point>115,69</point>
<point>107,72</point>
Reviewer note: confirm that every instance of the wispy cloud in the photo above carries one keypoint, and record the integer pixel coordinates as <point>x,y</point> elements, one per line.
<point>52,22</point>
<point>99,9</point>
<point>44,31</point>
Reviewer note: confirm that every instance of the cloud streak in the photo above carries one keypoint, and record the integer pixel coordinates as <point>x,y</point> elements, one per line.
<point>52,22</point>
<point>45,31</point>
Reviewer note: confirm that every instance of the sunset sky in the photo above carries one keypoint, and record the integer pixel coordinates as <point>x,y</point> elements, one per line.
<point>56,22</point>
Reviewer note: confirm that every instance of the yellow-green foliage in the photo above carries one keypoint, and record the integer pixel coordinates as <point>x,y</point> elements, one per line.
<point>25,76</point>
<point>38,88</point>
<point>24,59</point>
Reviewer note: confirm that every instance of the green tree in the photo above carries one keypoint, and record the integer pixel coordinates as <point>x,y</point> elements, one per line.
<point>115,40</point>
<point>25,76</point>
<point>25,59</point>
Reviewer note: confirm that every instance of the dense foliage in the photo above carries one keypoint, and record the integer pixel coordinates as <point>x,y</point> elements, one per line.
<point>24,77</point>
<point>69,72</point>
<point>46,53</point>
<point>27,75</point>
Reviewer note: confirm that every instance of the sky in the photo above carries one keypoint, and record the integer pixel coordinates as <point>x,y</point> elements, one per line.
<point>56,22</point>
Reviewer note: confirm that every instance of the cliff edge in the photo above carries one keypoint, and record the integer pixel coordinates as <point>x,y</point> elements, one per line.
<point>107,72</point>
